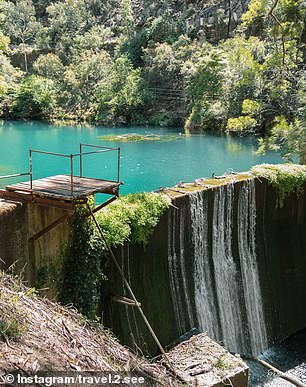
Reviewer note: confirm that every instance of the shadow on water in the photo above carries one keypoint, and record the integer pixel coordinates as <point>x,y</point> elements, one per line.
<point>289,357</point>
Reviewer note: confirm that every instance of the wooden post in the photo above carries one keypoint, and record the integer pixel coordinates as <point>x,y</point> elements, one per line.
<point>71,174</point>
<point>81,161</point>
<point>31,170</point>
<point>118,165</point>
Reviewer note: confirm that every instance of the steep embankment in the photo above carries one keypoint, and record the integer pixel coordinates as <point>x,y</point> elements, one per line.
<point>39,335</point>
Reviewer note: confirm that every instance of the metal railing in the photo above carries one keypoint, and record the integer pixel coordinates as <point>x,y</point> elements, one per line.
<point>15,175</point>
<point>102,149</point>
<point>71,157</point>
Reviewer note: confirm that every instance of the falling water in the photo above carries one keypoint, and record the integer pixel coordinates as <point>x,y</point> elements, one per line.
<point>222,261</point>
<point>177,272</point>
<point>249,270</point>
<point>225,270</point>
<point>204,297</point>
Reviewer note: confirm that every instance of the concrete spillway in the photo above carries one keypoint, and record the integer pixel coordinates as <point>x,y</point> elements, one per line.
<point>227,261</point>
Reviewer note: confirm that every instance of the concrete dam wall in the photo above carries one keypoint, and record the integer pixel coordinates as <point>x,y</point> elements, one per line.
<point>38,262</point>
<point>225,260</point>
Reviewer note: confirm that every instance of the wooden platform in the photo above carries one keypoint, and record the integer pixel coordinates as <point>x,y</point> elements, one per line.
<point>200,361</point>
<point>59,187</point>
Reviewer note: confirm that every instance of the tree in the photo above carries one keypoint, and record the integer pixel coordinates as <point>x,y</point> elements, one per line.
<point>66,20</point>
<point>82,82</point>
<point>20,24</point>
<point>123,95</point>
<point>9,76</point>
<point>34,98</point>
<point>284,73</point>
<point>49,66</point>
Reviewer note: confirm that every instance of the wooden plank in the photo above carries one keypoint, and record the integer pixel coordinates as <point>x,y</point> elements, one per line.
<point>59,186</point>
<point>15,196</point>
<point>28,198</point>
<point>200,361</point>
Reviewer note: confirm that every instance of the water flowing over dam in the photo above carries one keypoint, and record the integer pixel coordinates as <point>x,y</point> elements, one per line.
<point>227,294</point>
<point>224,259</point>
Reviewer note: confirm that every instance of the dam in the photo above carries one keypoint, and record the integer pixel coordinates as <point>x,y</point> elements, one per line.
<point>225,258</point>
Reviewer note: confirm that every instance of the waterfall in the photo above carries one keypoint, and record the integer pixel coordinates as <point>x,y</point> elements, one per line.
<point>177,271</point>
<point>249,270</point>
<point>223,264</point>
<point>207,314</point>
<point>225,270</point>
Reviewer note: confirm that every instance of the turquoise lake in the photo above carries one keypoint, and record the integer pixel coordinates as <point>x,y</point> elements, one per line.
<point>145,166</point>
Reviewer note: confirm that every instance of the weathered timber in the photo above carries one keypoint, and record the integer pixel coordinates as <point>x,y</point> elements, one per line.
<point>59,187</point>
<point>200,361</point>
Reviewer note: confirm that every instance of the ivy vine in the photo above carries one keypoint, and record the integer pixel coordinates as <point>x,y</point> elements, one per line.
<point>130,218</point>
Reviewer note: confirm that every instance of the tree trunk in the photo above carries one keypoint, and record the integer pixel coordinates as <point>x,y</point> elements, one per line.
<point>25,61</point>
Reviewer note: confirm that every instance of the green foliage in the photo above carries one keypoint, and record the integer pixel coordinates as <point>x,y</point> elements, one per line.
<point>127,20</point>
<point>132,217</point>
<point>82,268</point>
<point>20,22</point>
<point>256,9</point>
<point>222,363</point>
<point>34,98</point>
<point>4,42</point>
<point>289,138</point>
<point>96,39</point>
<point>241,124</point>
<point>285,178</point>
<point>136,137</point>
<point>66,19</point>
<point>251,107</point>
<point>8,74</point>
<point>49,66</point>
<point>122,94</point>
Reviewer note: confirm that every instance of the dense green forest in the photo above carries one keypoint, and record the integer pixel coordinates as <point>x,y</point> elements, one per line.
<point>157,63</point>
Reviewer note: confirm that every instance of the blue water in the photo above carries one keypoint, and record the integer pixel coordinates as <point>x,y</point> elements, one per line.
<point>145,166</point>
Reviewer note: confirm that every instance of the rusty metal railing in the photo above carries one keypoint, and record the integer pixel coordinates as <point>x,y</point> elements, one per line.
<point>101,149</point>
<point>14,175</point>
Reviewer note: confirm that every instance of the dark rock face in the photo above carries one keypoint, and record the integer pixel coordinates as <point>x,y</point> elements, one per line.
<point>263,279</point>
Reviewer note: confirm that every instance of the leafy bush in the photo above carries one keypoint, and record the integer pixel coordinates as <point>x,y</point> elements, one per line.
<point>251,107</point>
<point>285,178</point>
<point>34,98</point>
<point>11,328</point>
<point>132,217</point>
<point>241,124</point>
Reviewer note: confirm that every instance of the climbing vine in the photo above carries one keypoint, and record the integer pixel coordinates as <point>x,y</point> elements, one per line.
<point>82,265</point>
<point>285,178</point>
<point>130,218</point>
